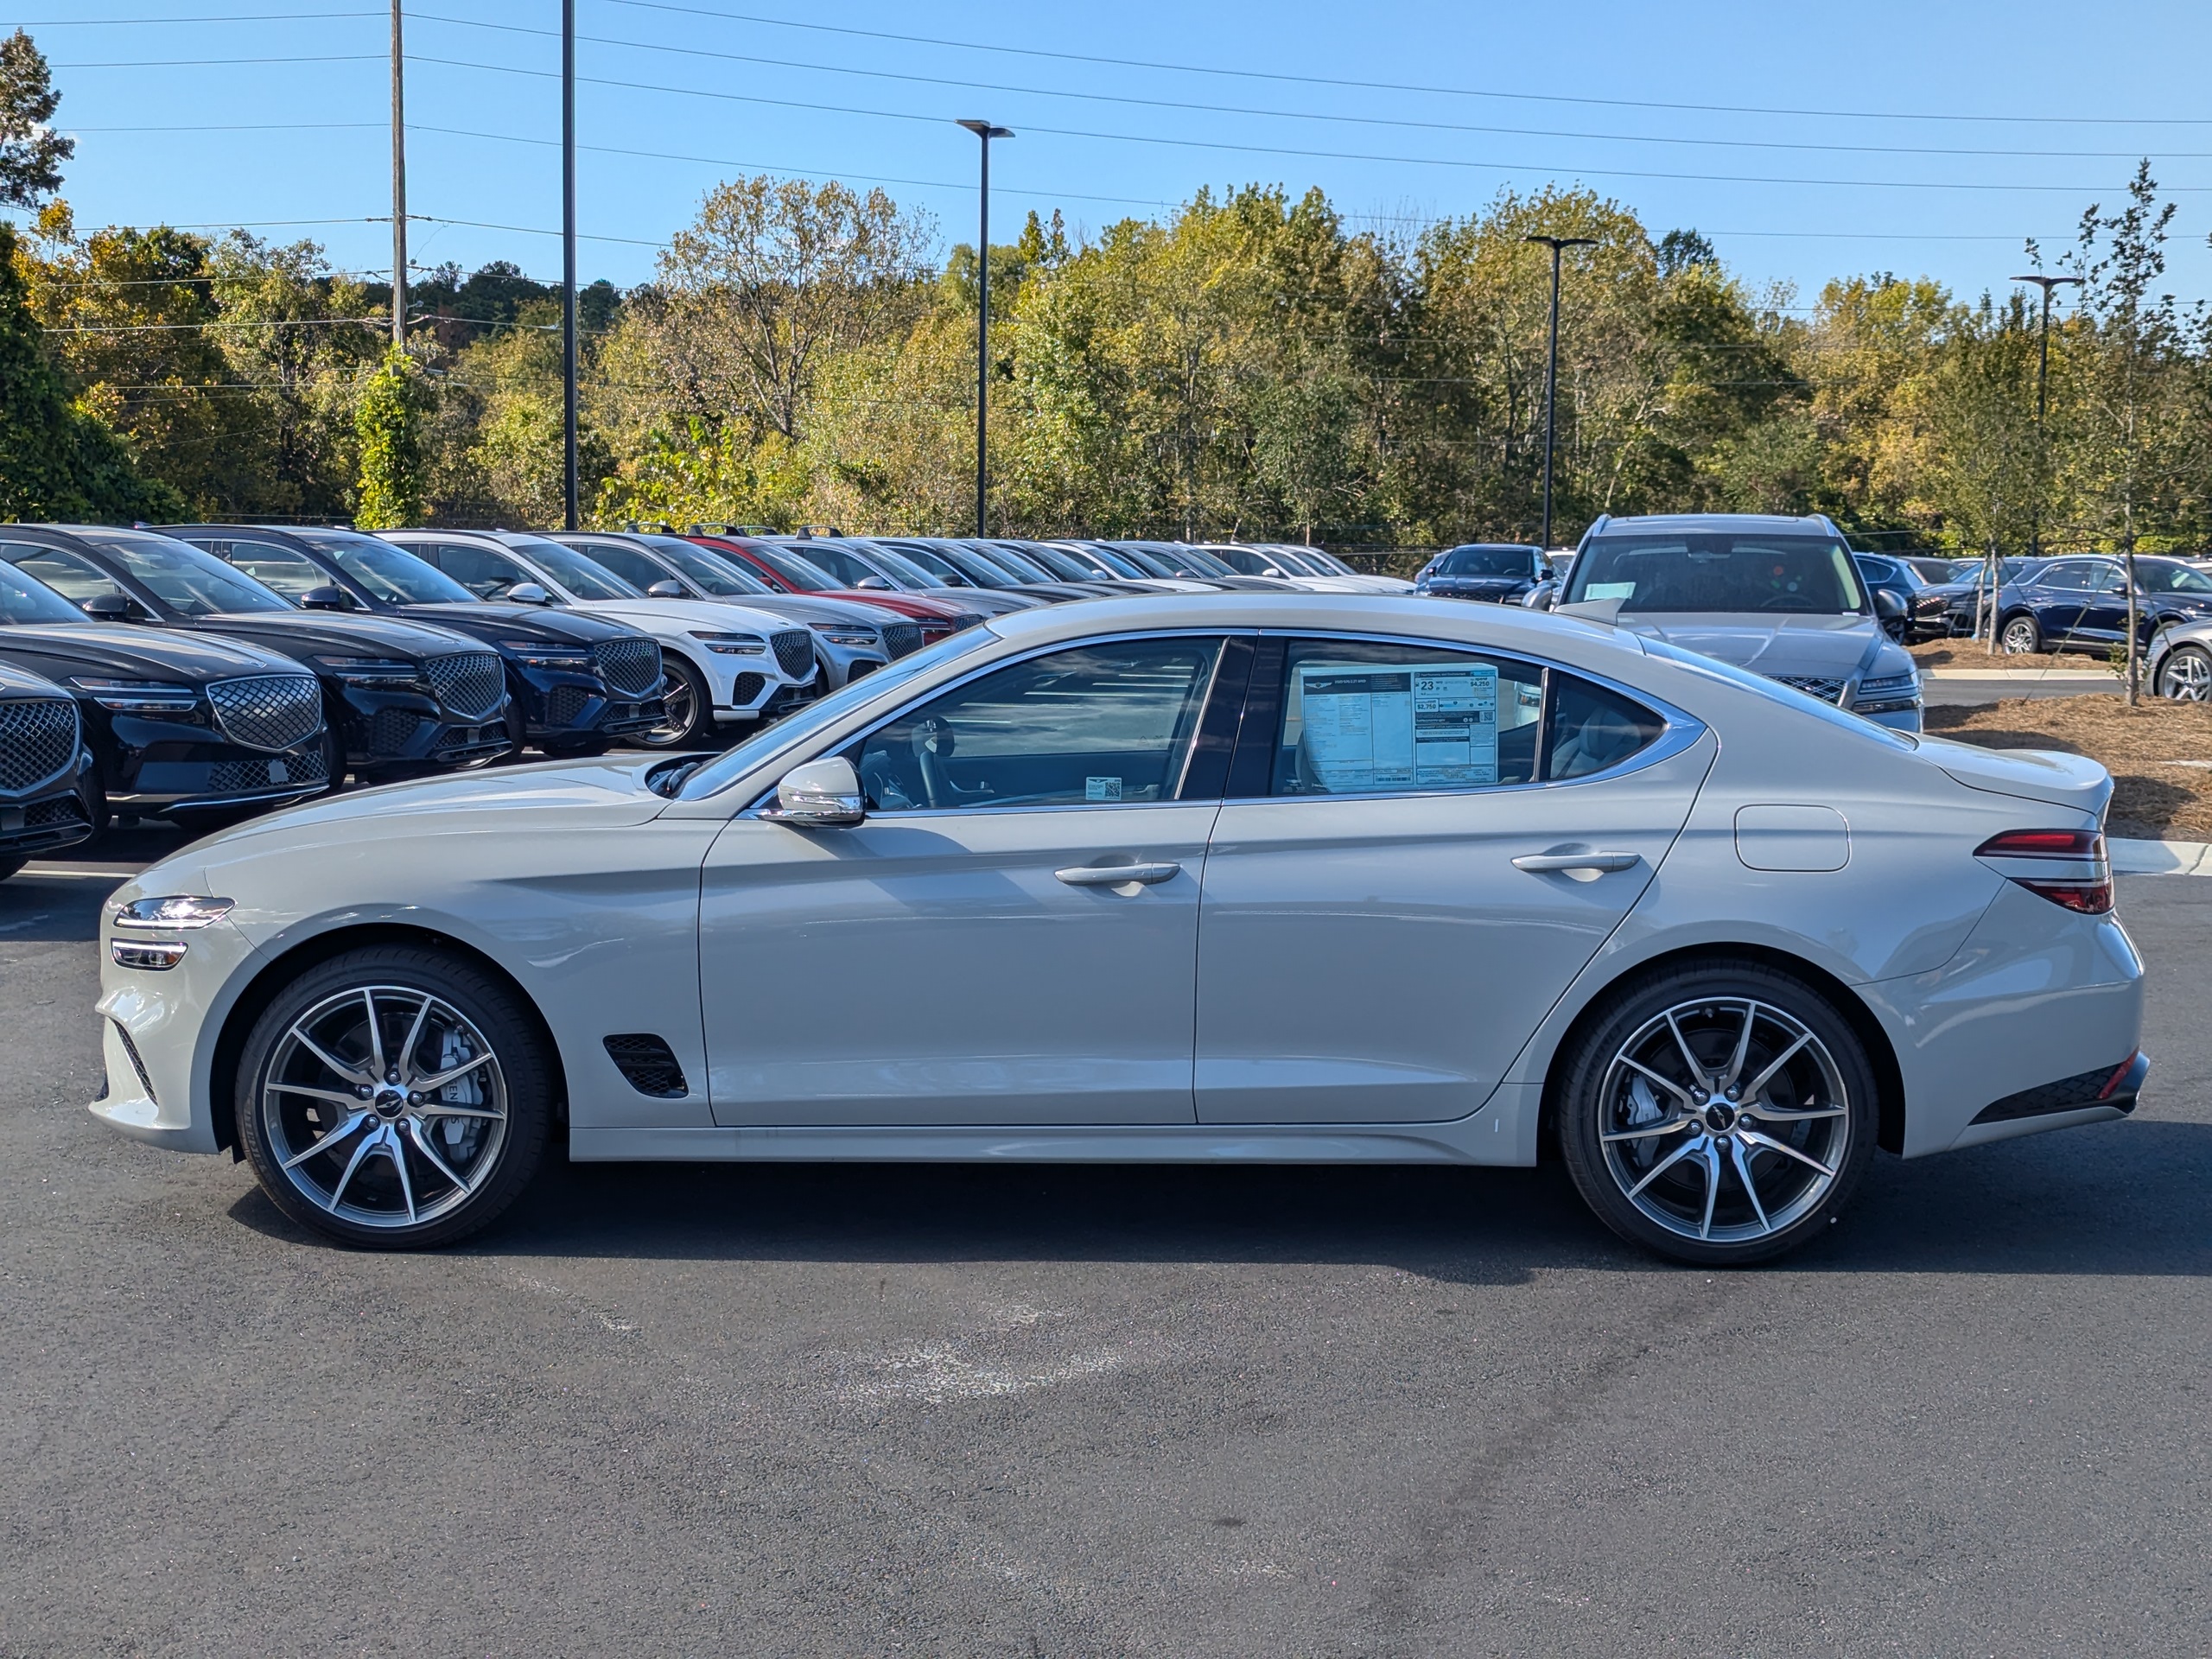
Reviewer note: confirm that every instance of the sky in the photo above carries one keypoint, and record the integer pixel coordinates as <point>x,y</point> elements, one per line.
<point>1806,143</point>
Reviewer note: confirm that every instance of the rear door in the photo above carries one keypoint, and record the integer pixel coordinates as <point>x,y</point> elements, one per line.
<point>1369,950</point>
<point>2059,594</point>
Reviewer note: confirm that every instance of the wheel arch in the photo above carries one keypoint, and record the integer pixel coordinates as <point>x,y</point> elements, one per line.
<point>1881,1053</point>
<point>281,971</point>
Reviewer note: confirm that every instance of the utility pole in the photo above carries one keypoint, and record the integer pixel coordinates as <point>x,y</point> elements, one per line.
<point>1551,369</point>
<point>986,132</point>
<point>568,262</point>
<point>399,183</point>
<point>2043,391</point>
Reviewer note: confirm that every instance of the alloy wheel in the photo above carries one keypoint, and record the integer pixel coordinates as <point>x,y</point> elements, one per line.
<point>681,712</point>
<point>384,1106</point>
<point>1725,1120</point>
<point>2021,637</point>
<point>2186,676</point>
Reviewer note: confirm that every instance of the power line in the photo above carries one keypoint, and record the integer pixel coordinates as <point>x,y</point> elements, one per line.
<point>230,17</point>
<point>1401,86</point>
<point>225,63</point>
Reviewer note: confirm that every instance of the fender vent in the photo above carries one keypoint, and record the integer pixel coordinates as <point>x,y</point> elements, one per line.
<point>649,1065</point>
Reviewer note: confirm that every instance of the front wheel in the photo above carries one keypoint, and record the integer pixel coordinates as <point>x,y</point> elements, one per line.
<point>687,707</point>
<point>2185,676</point>
<point>394,1098</point>
<point>1719,1114</point>
<point>2020,636</point>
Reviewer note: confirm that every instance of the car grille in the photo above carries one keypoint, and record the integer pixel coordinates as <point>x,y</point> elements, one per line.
<point>901,637</point>
<point>965,620</point>
<point>272,712</point>
<point>565,705</point>
<point>1825,690</point>
<point>631,666</point>
<point>794,653</point>
<point>62,809</point>
<point>38,741</point>
<point>469,684</point>
<point>392,730</point>
<point>244,776</point>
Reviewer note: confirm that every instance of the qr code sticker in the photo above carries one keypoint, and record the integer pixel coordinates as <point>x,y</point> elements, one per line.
<point>1102,789</point>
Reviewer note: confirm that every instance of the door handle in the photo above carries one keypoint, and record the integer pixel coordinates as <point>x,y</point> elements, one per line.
<point>1596,863</point>
<point>1113,875</point>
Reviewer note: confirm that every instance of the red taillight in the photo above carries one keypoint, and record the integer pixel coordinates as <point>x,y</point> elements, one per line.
<point>2087,895</point>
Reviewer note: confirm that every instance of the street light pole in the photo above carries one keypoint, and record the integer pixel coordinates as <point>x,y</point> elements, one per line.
<point>568,262</point>
<point>1551,369</point>
<point>986,132</point>
<point>2042,389</point>
<point>399,183</point>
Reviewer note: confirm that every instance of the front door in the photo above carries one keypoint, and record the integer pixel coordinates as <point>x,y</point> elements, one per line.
<point>1369,950</point>
<point>1009,938</point>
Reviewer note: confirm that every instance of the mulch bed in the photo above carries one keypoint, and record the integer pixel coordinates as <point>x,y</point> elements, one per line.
<point>2153,797</point>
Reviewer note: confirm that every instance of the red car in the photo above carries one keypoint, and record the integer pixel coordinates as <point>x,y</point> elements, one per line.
<point>786,572</point>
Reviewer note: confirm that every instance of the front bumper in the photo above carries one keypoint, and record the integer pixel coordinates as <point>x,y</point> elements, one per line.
<point>177,769</point>
<point>158,1030</point>
<point>386,729</point>
<point>44,821</point>
<point>559,709</point>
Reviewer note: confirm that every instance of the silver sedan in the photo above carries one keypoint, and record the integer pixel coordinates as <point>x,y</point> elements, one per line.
<point>1359,879</point>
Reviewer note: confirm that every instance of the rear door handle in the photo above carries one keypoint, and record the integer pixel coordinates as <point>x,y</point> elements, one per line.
<point>1596,863</point>
<point>1113,875</point>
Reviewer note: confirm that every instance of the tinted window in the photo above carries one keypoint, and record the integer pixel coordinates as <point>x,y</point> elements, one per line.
<point>286,572</point>
<point>626,562</point>
<point>585,578</point>
<point>1102,724</point>
<point>1594,729</point>
<point>486,574</point>
<point>845,566</point>
<point>1364,717</point>
<point>1717,571</point>
<point>2072,574</point>
<point>2159,577</point>
<point>23,599</point>
<point>709,575</point>
<point>74,576</point>
<point>189,581</point>
<point>802,576</point>
<point>391,574</point>
<point>1514,562</point>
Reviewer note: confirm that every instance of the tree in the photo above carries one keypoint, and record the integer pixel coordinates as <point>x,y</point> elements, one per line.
<point>31,152</point>
<point>389,421</point>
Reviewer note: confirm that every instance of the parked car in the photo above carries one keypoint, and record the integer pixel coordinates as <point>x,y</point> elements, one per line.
<point>2081,604</point>
<point>576,684</point>
<point>872,567</point>
<point>1732,939</point>
<point>2178,663</point>
<point>1883,574</point>
<point>724,664</point>
<point>785,570</point>
<point>1502,572</point>
<point>180,726</point>
<point>979,564</point>
<point>1321,562</point>
<point>398,697</point>
<point>850,638</point>
<point>44,768</point>
<point>1780,596</point>
<point>1933,566</point>
<point>1953,609</point>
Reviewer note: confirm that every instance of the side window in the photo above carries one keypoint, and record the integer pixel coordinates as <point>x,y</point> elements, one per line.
<point>2070,575</point>
<point>1362,717</point>
<point>76,579</point>
<point>1111,723</point>
<point>2109,579</point>
<point>1593,730</point>
<point>484,573</point>
<point>289,573</point>
<point>626,562</point>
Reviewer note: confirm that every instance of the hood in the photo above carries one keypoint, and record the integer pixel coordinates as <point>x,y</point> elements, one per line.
<point>292,632</point>
<point>22,683</point>
<point>1805,647</point>
<point>664,617</point>
<point>486,619</point>
<point>2046,775</point>
<point>815,607</point>
<point>138,653</point>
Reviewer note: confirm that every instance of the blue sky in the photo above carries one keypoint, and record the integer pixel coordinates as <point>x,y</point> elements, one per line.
<point>1841,147</point>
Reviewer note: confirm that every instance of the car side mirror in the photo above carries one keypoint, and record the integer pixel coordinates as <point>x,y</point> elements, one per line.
<point>107,607</point>
<point>1889,607</point>
<point>874,583</point>
<point>668,590</point>
<point>823,794</point>
<point>329,597</point>
<point>527,593</point>
<point>1542,596</point>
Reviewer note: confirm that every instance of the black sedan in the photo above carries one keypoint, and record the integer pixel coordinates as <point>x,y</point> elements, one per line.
<point>579,683</point>
<point>43,769</point>
<point>181,726</point>
<point>1503,572</point>
<point>400,698</point>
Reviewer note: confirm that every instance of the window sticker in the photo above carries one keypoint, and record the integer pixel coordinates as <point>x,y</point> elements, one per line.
<point>1598,590</point>
<point>1421,726</point>
<point>1102,789</point>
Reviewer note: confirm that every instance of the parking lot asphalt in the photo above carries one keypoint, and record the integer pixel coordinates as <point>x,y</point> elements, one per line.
<point>948,1410</point>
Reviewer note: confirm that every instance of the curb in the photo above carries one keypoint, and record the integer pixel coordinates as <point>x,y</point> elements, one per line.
<point>2029,674</point>
<point>2160,857</point>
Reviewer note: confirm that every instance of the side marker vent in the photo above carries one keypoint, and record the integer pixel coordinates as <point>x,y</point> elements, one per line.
<point>649,1065</point>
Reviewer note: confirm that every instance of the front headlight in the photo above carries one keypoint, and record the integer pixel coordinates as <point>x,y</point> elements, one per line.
<point>370,670</point>
<point>733,645</point>
<point>1886,694</point>
<point>183,911</point>
<point>859,638</point>
<point>140,696</point>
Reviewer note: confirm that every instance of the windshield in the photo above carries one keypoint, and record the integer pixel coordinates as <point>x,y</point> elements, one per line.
<point>711,575</point>
<point>902,567</point>
<point>1518,562</point>
<point>939,564</point>
<point>1718,571</point>
<point>389,572</point>
<point>795,729</point>
<point>1117,560</point>
<point>1057,562</point>
<point>188,581</point>
<point>806,578</point>
<point>1205,562</point>
<point>2160,577</point>
<point>1025,568</point>
<point>23,599</point>
<point>585,578</point>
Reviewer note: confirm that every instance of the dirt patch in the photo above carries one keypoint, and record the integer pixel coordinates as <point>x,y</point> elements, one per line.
<point>1971,653</point>
<point>2153,797</point>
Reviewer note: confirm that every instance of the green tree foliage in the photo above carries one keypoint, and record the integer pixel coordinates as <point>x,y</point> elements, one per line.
<point>388,421</point>
<point>31,152</point>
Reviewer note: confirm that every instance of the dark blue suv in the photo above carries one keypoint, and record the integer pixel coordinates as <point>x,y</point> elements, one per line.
<point>2081,604</point>
<point>1502,572</point>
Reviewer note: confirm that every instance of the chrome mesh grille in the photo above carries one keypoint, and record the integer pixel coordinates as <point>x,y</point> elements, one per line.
<point>38,741</point>
<point>469,684</point>
<point>631,666</point>
<point>272,711</point>
<point>901,637</point>
<point>244,777</point>
<point>794,653</point>
<point>1825,690</point>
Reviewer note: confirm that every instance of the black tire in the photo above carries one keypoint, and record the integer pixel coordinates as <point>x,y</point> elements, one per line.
<point>691,711</point>
<point>1779,1203</point>
<point>485,1131</point>
<point>2019,636</point>
<point>9,865</point>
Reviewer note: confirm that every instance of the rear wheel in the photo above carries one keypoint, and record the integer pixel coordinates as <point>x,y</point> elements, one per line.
<point>2020,636</point>
<point>1719,1114</point>
<point>2186,674</point>
<point>393,1098</point>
